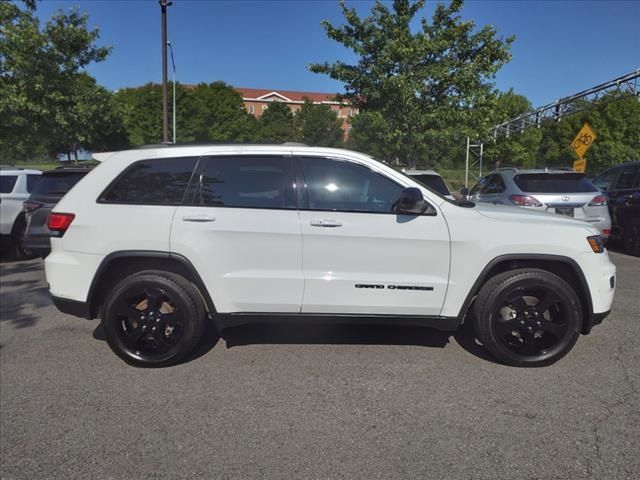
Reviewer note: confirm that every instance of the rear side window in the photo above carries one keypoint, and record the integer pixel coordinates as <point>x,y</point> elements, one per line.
<point>246,182</point>
<point>434,182</point>
<point>7,182</point>
<point>553,183</point>
<point>57,184</point>
<point>160,181</point>
<point>346,186</point>
<point>493,184</point>
<point>627,178</point>
<point>32,181</point>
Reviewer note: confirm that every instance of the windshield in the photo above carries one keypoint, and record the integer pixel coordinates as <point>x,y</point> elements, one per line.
<point>57,184</point>
<point>435,182</point>
<point>553,183</point>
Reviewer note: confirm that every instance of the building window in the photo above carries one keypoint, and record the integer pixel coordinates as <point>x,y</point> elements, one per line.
<point>251,109</point>
<point>264,107</point>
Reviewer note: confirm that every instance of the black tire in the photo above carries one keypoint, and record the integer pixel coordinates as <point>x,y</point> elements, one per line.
<point>527,317</point>
<point>153,318</point>
<point>17,238</point>
<point>631,237</point>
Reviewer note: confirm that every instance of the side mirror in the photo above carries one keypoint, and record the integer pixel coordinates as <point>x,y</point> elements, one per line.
<point>410,202</point>
<point>464,191</point>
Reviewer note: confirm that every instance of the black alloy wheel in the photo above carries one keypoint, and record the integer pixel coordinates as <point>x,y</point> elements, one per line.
<point>528,317</point>
<point>153,318</point>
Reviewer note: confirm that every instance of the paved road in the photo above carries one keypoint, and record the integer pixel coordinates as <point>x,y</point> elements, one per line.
<point>327,402</point>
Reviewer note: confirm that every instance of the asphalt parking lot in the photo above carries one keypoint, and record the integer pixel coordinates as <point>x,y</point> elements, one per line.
<point>312,402</point>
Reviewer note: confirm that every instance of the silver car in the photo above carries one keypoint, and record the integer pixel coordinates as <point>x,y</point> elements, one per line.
<point>561,192</point>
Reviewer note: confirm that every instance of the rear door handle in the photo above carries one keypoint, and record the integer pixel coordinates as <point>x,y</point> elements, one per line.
<point>198,218</point>
<point>325,223</point>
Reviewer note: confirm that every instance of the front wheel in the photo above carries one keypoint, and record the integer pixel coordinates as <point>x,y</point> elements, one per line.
<point>153,318</point>
<point>528,317</point>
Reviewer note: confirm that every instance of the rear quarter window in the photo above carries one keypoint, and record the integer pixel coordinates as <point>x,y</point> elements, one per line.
<point>553,183</point>
<point>32,181</point>
<point>7,182</point>
<point>160,181</point>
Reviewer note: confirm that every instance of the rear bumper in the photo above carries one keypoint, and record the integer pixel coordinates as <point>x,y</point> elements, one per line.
<point>71,307</point>
<point>38,244</point>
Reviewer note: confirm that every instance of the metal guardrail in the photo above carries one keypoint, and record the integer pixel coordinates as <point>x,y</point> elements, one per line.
<point>626,85</point>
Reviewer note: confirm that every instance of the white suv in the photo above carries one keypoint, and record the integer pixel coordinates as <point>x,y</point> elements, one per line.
<point>154,241</point>
<point>16,184</point>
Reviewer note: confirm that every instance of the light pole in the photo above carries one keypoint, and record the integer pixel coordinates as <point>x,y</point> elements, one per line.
<point>173,64</point>
<point>165,114</point>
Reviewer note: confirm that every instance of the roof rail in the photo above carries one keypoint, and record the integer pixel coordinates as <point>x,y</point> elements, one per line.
<point>216,144</point>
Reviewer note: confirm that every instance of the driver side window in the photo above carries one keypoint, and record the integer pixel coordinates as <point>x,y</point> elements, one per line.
<point>340,185</point>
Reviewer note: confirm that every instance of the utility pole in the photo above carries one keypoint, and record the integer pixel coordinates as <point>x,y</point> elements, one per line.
<point>165,110</point>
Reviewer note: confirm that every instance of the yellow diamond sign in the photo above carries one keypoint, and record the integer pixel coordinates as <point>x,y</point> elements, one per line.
<point>580,166</point>
<point>583,140</point>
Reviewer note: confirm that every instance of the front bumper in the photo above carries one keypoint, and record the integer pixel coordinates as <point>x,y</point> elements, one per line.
<point>71,307</point>
<point>593,320</point>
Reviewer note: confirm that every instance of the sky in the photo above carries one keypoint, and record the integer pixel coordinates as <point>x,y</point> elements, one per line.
<point>561,47</point>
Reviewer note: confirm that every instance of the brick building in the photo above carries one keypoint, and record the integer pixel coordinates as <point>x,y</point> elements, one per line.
<point>257,100</point>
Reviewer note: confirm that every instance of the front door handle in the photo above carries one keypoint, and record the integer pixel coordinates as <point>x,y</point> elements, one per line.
<point>325,223</point>
<point>198,218</point>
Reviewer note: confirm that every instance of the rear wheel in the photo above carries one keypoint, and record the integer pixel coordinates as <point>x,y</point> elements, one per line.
<point>153,318</point>
<point>528,317</point>
<point>17,239</point>
<point>631,237</point>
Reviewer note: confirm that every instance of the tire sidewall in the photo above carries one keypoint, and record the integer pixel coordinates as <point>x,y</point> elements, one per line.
<point>176,293</point>
<point>531,279</point>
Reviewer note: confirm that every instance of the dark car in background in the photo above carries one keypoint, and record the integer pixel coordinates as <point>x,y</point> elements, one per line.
<point>53,185</point>
<point>622,185</point>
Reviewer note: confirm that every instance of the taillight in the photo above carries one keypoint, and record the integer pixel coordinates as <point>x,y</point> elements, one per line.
<point>525,201</point>
<point>31,205</point>
<point>606,231</point>
<point>58,223</point>
<point>598,201</point>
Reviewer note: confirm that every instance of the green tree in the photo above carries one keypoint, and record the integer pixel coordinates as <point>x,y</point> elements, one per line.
<point>276,124</point>
<point>141,110</point>
<point>420,90</point>
<point>204,113</point>
<point>214,112</point>
<point>86,117</point>
<point>520,149</point>
<point>318,125</point>
<point>38,66</point>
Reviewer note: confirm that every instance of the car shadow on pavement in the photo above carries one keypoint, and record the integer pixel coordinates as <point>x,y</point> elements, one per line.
<point>205,345</point>
<point>21,301</point>
<point>289,333</point>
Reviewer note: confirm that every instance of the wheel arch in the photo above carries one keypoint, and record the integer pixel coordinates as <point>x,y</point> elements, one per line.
<point>118,265</point>
<point>565,267</point>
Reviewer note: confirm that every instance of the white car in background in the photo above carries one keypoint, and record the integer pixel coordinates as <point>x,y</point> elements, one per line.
<point>16,184</point>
